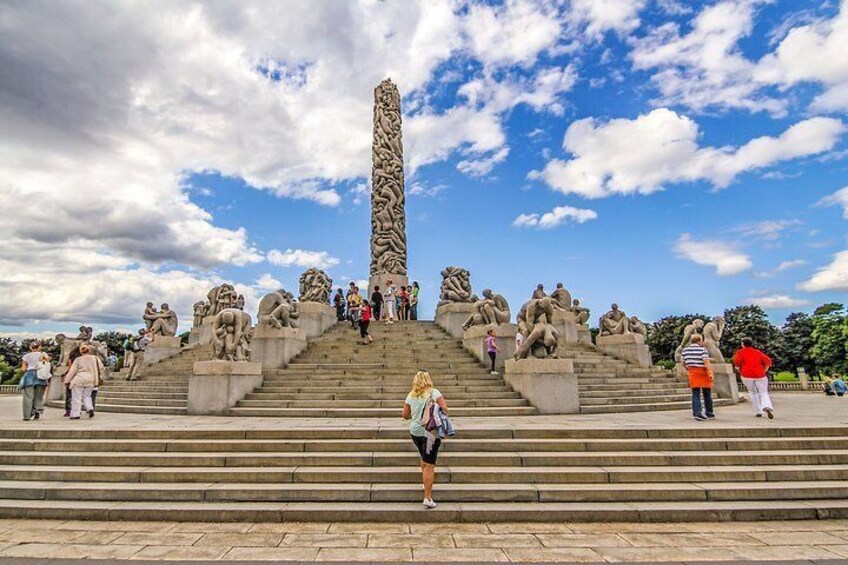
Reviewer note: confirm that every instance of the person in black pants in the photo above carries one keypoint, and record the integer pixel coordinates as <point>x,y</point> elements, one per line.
<point>377,304</point>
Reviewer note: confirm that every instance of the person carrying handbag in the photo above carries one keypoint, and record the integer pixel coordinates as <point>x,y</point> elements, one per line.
<point>419,407</point>
<point>83,376</point>
<point>36,368</point>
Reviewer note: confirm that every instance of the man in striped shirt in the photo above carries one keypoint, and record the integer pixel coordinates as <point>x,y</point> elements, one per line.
<point>696,359</point>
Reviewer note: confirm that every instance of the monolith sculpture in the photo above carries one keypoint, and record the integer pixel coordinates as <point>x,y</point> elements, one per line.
<point>388,215</point>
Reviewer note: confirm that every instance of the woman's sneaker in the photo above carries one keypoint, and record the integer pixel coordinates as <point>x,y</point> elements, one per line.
<point>700,417</point>
<point>428,503</point>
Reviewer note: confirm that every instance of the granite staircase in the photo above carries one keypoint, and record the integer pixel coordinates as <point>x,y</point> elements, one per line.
<point>370,473</point>
<point>338,376</point>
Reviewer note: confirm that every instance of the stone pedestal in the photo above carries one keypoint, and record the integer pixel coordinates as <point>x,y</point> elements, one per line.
<point>452,315</point>
<point>160,348</point>
<point>549,384</point>
<point>725,385</point>
<point>381,281</point>
<point>202,335</point>
<point>474,340</point>
<point>566,324</point>
<point>584,335</point>
<point>56,388</point>
<point>216,386</point>
<point>315,318</point>
<point>273,347</point>
<point>628,347</point>
<point>804,378</point>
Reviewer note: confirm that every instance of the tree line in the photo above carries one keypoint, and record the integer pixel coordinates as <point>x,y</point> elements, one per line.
<point>817,343</point>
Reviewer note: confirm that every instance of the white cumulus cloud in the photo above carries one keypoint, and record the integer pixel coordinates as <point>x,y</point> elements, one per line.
<point>626,156</point>
<point>833,276</point>
<point>554,218</point>
<point>838,198</point>
<point>725,257</point>
<point>302,258</point>
<point>778,302</point>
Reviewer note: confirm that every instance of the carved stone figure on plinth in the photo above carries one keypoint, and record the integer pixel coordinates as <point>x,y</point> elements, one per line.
<point>388,213</point>
<point>240,302</point>
<point>581,313</point>
<point>149,315</point>
<point>199,310</point>
<point>539,293</point>
<point>85,333</point>
<point>165,322</point>
<point>220,298</point>
<point>712,338</point>
<point>231,335</point>
<point>278,310</point>
<point>614,322</point>
<point>315,286</point>
<point>493,309</point>
<point>561,297</point>
<point>535,325</point>
<point>456,285</point>
<point>638,327</point>
<point>696,327</point>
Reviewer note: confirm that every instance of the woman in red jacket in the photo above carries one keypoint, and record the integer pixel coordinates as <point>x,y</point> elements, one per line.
<point>753,365</point>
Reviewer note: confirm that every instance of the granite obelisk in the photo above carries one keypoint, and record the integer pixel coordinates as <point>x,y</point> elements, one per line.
<point>388,213</point>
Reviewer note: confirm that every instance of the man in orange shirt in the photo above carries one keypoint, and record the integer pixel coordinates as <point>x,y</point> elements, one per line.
<point>753,365</point>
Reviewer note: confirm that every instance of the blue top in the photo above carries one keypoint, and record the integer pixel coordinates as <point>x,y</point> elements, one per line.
<point>839,386</point>
<point>30,378</point>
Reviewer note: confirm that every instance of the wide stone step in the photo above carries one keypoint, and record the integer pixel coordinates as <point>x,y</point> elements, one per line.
<point>378,380</point>
<point>133,409</point>
<point>647,407</point>
<point>136,395</point>
<point>282,387</point>
<point>105,399</point>
<point>329,412</point>
<point>596,401</point>
<point>263,394</point>
<point>640,391</point>
<point>399,492</point>
<point>387,402</point>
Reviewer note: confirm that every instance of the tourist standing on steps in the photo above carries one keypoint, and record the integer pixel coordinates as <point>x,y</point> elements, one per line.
<point>31,386</point>
<point>339,303</point>
<point>753,365</point>
<point>390,301</point>
<point>413,301</point>
<point>403,298</point>
<point>364,322</point>
<point>492,348</point>
<point>696,359</point>
<point>422,394</point>
<point>354,306</point>
<point>376,304</point>
<point>84,375</point>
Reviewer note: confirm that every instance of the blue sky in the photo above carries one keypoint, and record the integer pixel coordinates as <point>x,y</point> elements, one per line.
<point>671,157</point>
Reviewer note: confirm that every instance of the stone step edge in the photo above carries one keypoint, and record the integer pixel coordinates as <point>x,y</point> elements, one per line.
<point>477,512</point>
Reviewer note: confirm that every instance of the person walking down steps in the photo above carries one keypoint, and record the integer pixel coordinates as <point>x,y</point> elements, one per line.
<point>696,359</point>
<point>492,348</point>
<point>364,322</point>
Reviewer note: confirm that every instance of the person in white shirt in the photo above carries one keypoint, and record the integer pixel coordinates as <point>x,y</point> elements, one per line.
<point>31,386</point>
<point>390,301</point>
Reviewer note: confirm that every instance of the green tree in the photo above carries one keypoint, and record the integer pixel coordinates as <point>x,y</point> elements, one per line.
<point>829,346</point>
<point>748,321</point>
<point>794,346</point>
<point>10,350</point>
<point>665,334</point>
<point>113,340</point>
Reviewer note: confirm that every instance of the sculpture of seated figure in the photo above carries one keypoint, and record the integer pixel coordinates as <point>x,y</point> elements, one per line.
<point>614,322</point>
<point>561,297</point>
<point>493,309</point>
<point>456,285</point>
<point>231,330</point>
<point>278,310</point>
<point>638,327</point>
<point>696,327</point>
<point>149,316</point>
<point>534,324</point>
<point>581,313</point>
<point>165,323</point>
<point>539,293</point>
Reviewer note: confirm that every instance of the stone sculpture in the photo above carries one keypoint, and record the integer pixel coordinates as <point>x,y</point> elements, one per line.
<point>315,286</point>
<point>231,330</point>
<point>581,313</point>
<point>638,327</point>
<point>165,322</point>
<point>696,327</point>
<point>85,333</point>
<point>199,310</point>
<point>220,298</point>
<point>540,337</point>
<point>492,309</point>
<point>561,297</point>
<point>712,337</point>
<point>614,322</point>
<point>278,310</point>
<point>456,285</point>
<point>240,302</point>
<point>388,215</point>
<point>149,315</point>
<point>539,292</point>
